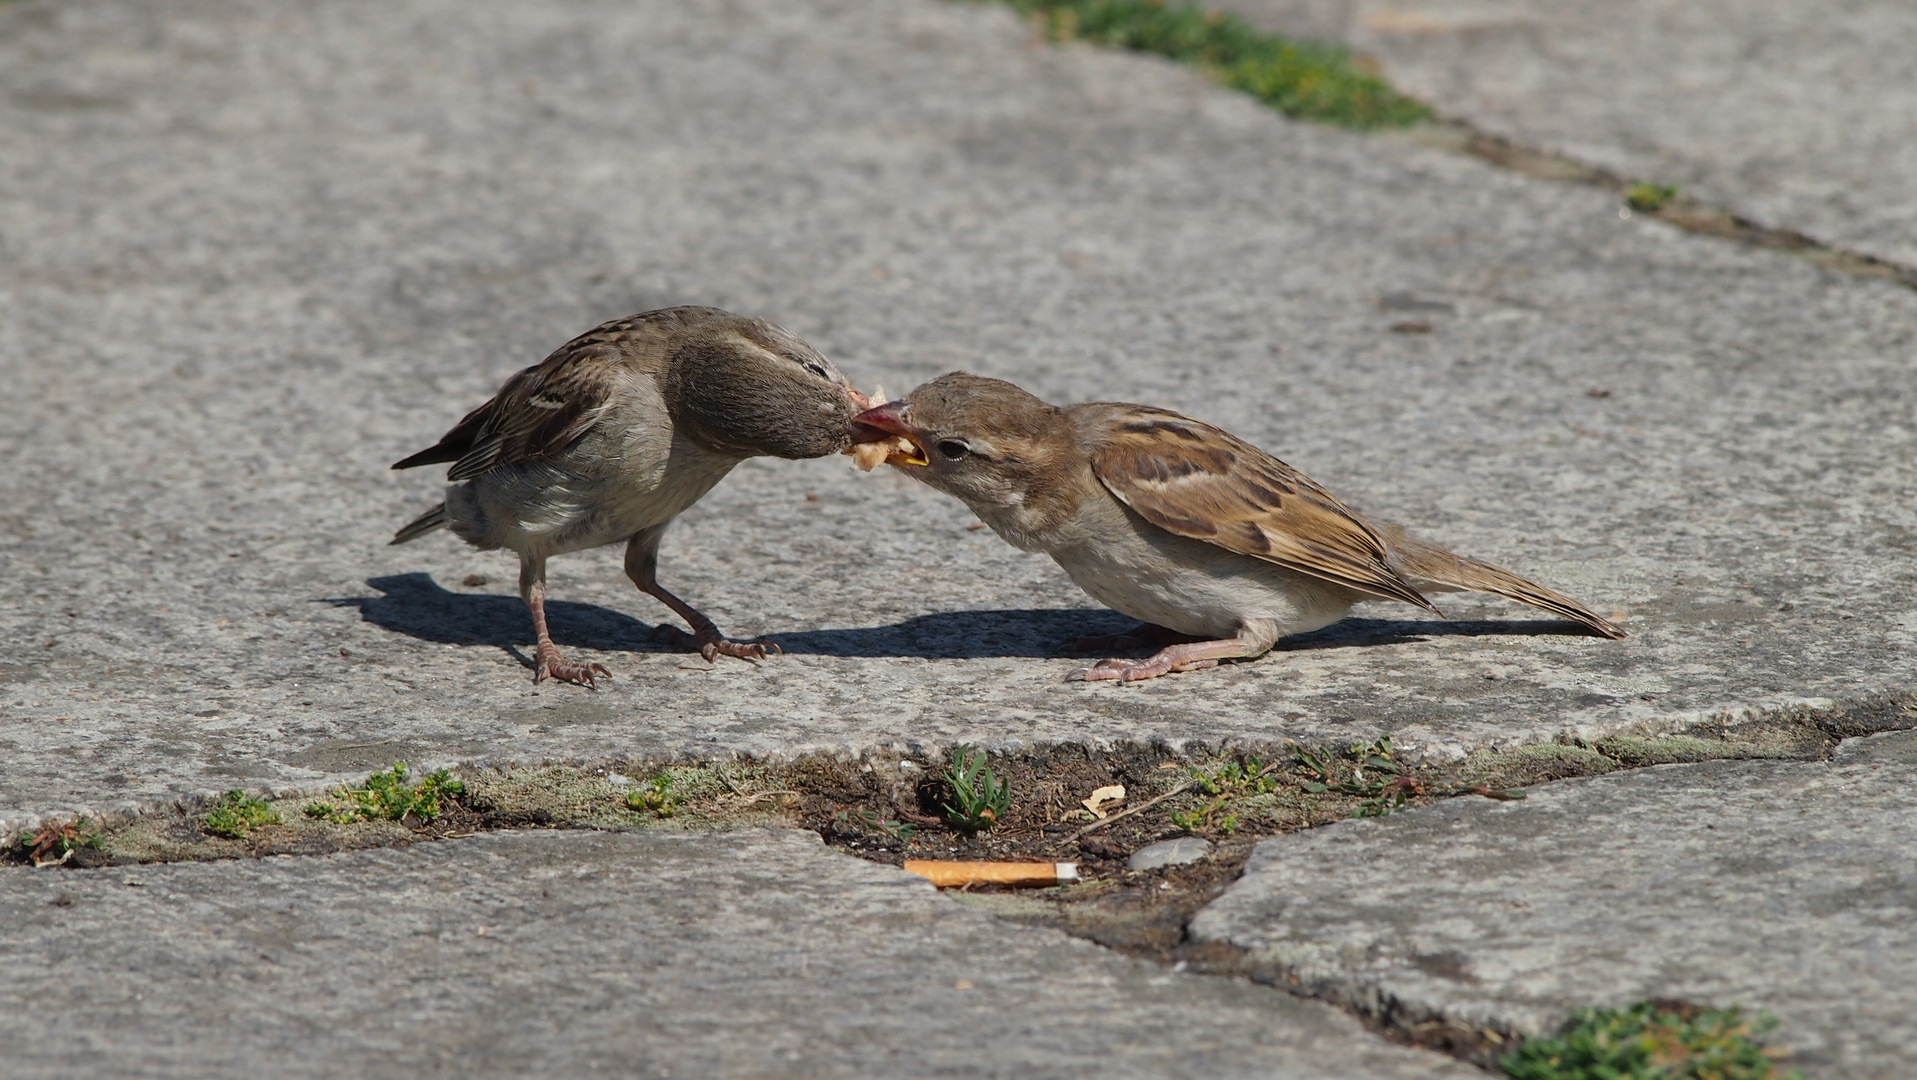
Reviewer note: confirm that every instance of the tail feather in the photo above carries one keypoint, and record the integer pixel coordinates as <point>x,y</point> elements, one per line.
<point>432,455</point>
<point>1429,566</point>
<point>421,525</point>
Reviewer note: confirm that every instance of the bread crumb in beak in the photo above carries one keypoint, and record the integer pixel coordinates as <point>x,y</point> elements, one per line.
<point>897,450</point>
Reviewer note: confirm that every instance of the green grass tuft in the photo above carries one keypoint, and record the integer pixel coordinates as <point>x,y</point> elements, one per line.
<point>386,796</point>
<point>1304,80</point>
<point>237,814</point>
<point>1650,1042</point>
<point>1649,198</point>
<point>982,799</point>
<point>1225,787</point>
<point>655,795</point>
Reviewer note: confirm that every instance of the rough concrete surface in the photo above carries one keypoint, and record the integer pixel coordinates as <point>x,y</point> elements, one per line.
<point>252,252</point>
<point>1797,115</point>
<point>755,953</point>
<point>1774,885</point>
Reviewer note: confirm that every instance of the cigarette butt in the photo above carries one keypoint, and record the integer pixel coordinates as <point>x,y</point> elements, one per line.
<point>947,874</point>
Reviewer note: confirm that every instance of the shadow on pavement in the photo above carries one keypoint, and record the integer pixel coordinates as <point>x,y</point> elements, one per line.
<point>1357,633</point>
<point>417,606</point>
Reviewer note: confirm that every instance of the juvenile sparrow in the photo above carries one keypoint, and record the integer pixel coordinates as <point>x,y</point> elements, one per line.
<point>617,433</point>
<point>1214,543</point>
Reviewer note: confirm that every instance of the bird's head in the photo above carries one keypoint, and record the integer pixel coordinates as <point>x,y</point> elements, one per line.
<point>747,387</point>
<point>982,441</point>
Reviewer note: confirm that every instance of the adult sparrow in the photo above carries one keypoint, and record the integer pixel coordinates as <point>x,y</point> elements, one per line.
<point>1215,544</point>
<point>618,432</point>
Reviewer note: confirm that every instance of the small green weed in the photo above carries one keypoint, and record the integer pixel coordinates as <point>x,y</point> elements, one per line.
<point>56,841</point>
<point>655,795</point>
<point>1302,80</point>
<point>873,822</point>
<point>1650,1042</point>
<point>1387,784</point>
<point>237,814</point>
<point>1649,198</point>
<point>1224,784</point>
<point>386,796</point>
<point>982,799</point>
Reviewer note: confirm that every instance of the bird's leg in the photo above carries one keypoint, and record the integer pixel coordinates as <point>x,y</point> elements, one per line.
<point>1190,656</point>
<point>1143,636</point>
<point>642,564</point>
<point>547,661</point>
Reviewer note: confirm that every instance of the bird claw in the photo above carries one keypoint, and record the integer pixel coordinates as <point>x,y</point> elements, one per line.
<point>552,666</point>
<point>712,645</point>
<point>1131,671</point>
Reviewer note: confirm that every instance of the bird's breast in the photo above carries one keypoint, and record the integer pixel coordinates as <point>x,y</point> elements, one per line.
<point>610,485</point>
<point>1134,567</point>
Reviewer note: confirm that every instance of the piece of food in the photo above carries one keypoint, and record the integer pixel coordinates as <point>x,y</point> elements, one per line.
<point>892,449</point>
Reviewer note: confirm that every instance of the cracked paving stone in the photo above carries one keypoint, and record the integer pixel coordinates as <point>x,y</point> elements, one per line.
<point>747,953</point>
<point>1785,886</point>
<point>256,250</point>
<point>1798,116</point>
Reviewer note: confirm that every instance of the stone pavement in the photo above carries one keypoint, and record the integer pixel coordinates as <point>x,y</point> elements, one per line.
<point>252,252</point>
<point>1796,115</point>
<point>1784,886</point>
<point>752,953</point>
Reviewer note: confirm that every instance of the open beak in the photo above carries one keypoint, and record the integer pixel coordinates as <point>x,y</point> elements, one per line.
<point>887,421</point>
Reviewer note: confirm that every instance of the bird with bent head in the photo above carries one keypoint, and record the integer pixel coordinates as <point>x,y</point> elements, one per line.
<point>617,433</point>
<point>1216,545</point>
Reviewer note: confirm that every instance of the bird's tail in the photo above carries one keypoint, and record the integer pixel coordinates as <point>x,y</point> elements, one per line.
<point>421,525</point>
<point>1431,567</point>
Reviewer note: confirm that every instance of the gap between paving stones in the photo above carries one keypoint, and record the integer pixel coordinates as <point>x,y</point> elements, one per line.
<point>1058,21</point>
<point>885,806</point>
<point>1678,210</point>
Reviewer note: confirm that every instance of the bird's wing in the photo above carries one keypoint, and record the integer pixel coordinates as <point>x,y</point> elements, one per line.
<point>1196,480</point>
<point>538,413</point>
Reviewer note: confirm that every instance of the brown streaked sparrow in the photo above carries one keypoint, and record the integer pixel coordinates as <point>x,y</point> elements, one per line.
<point>618,432</point>
<point>1214,543</point>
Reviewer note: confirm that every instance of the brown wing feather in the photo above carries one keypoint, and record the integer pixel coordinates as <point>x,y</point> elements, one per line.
<point>1196,480</point>
<point>539,412</point>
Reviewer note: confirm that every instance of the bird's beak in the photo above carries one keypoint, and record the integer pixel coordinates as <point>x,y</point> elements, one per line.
<point>887,421</point>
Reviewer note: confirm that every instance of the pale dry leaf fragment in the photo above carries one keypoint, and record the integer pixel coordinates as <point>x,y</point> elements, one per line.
<point>1112,794</point>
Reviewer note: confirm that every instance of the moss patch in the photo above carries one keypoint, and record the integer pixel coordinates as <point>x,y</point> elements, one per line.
<point>237,814</point>
<point>1650,1041</point>
<point>1305,80</point>
<point>387,796</point>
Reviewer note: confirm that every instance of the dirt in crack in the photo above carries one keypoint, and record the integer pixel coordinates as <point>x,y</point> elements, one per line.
<point>1040,804</point>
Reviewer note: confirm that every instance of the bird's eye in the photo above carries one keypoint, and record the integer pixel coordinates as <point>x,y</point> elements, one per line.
<point>952,449</point>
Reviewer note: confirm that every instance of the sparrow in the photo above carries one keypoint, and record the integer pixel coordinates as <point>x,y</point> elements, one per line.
<point>617,433</point>
<point>1220,548</point>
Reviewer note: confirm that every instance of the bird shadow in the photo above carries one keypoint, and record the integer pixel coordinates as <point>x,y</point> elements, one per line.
<point>417,606</point>
<point>1368,633</point>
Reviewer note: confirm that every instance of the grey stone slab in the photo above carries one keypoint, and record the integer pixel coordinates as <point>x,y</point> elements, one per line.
<point>252,252</point>
<point>1892,747</point>
<point>1799,116</point>
<point>755,953</point>
<point>1781,886</point>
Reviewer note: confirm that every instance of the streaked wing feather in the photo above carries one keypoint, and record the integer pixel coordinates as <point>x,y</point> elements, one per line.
<point>1198,481</point>
<point>539,412</point>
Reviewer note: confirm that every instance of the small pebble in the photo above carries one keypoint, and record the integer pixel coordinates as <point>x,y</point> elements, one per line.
<point>1185,849</point>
